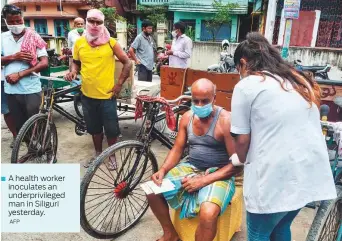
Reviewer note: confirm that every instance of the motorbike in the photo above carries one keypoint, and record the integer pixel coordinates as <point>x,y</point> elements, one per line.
<point>319,72</point>
<point>66,54</point>
<point>226,64</point>
<point>162,58</point>
<point>53,58</point>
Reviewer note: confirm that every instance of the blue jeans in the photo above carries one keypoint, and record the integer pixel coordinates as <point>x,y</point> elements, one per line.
<point>270,227</point>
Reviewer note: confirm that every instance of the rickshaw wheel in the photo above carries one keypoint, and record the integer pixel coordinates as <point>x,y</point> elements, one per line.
<point>327,221</point>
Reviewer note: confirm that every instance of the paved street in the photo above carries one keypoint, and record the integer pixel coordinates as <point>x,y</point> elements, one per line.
<point>77,149</point>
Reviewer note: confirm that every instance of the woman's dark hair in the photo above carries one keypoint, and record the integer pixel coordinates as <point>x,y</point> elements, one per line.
<point>260,56</point>
<point>146,23</point>
<point>181,26</point>
<point>10,9</point>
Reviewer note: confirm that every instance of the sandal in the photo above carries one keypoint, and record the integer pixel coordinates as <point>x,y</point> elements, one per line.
<point>112,165</point>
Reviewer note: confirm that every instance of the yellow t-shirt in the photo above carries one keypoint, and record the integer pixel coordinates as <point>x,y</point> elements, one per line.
<point>97,68</point>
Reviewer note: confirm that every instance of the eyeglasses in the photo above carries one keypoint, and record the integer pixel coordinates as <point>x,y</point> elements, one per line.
<point>93,21</point>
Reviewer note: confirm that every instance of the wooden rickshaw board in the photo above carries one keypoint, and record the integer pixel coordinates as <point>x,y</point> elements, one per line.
<point>172,83</point>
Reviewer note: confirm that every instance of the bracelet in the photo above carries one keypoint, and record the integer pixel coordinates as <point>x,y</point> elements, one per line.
<point>235,160</point>
<point>19,75</point>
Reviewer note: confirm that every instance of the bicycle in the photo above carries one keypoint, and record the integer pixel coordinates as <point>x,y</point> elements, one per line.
<point>37,138</point>
<point>327,224</point>
<point>116,195</point>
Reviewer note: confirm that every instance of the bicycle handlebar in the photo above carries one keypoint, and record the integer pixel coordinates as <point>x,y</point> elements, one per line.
<point>48,78</point>
<point>179,98</point>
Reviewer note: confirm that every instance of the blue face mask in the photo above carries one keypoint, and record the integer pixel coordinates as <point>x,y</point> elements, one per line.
<point>202,111</point>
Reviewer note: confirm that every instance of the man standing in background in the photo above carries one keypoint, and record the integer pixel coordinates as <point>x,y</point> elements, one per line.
<point>180,53</point>
<point>77,32</point>
<point>142,52</point>
<point>74,34</point>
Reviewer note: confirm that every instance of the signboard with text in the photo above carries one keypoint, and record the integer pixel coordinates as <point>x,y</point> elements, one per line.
<point>291,9</point>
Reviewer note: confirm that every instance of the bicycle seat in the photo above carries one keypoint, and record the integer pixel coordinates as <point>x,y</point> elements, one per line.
<point>329,82</point>
<point>313,68</point>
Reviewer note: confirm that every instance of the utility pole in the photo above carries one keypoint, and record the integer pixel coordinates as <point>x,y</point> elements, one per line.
<point>291,11</point>
<point>270,19</point>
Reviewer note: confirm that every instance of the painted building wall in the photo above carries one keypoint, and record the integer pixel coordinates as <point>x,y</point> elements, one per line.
<point>203,16</point>
<point>48,9</point>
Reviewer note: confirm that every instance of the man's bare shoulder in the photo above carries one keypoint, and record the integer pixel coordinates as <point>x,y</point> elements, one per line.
<point>186,117</point>
<point>224,118</point>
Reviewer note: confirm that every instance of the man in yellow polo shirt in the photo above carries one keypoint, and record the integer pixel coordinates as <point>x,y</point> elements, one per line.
<point>94,58</point>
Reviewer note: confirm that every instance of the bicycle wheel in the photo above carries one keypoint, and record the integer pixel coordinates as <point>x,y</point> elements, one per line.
<point>327,220</point>
<point>36,141</point>
<point>112,201</point>
<point>78,105</point>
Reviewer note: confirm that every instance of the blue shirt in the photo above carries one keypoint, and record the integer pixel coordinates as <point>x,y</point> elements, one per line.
<point>144,50</point>
<point>28,84</point>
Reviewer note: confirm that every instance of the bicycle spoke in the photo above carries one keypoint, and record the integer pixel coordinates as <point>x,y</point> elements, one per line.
<point>104,220</point>
<point>100,212</point>
<point>106,174</point>
<point>118,218</point>
<point>98,194</point>
<point>97,197</point>
<point>101,184</point>
<point>97,205</point>
<point>104,179</point>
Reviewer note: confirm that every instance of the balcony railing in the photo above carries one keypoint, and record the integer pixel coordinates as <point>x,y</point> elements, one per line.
<point>153,2</point>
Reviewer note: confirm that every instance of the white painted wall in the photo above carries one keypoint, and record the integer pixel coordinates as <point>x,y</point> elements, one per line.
<point>207,53</point>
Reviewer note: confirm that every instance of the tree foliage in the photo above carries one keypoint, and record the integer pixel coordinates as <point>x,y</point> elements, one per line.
<point>221,16</point>
<point>155,14</point>
<point>96,3</point>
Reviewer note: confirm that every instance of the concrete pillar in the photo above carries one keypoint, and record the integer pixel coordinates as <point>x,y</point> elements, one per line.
<point>198,29</point>
<point>139,22</point>
<point>161,34</point>
<point>234,32</point>
<point>121,31</point>
<point>270,20</point>
<point>315,30</point>
<point>281,29</point>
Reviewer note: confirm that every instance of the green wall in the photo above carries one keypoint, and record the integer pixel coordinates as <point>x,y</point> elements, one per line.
<point>203,16</point>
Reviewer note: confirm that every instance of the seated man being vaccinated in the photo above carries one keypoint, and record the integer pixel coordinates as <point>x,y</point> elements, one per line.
<point>204,185</point>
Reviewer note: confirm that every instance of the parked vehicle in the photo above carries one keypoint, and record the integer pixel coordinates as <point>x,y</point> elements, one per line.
<point>162,58</point>
<point>319,72</point>
<point>64,58</point>
<point>226,64</point>
<point>53,58</point>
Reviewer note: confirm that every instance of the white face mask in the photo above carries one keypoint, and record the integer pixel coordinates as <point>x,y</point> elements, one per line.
<point>16,29</point>
<point>174,34</point>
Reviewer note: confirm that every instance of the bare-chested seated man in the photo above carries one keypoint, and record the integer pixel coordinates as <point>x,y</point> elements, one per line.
<point>212,161</point>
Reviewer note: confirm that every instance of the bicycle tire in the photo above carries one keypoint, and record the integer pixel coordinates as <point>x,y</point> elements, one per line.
<point>321,217</point>
<point>78,105</point>
<point>25,128</point>
<point>87,179</point>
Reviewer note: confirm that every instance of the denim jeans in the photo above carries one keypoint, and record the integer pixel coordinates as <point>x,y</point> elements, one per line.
<point>270,227</point>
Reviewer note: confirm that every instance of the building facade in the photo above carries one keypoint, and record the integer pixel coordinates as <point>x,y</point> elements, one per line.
<point>195,13</point>
<point>52,19</point>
